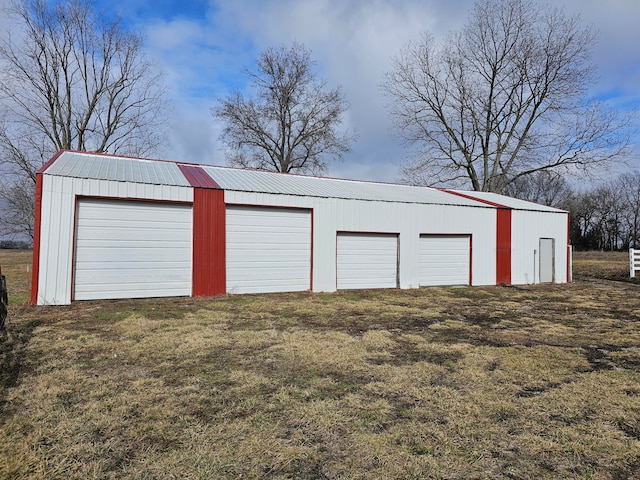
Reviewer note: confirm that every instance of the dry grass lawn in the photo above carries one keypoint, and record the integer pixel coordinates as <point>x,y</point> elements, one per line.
<point>443,383</point>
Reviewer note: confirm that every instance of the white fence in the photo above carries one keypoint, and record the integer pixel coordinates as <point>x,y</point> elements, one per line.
<point>634,262</point>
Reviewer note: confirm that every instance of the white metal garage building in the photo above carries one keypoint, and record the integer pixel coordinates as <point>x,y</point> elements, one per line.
<point>115,227</point>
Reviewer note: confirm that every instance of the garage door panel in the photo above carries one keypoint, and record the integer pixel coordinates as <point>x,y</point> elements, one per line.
<point>134,233</point>
<point>444,260</point>
<point>366,260</point>
<point>268,249</point>
<point>132,249</point>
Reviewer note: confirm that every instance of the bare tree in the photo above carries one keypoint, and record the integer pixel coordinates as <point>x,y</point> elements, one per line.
<point>502,98</point>
<point>628,188</point>
<point>292,121</point>
<point>545,187</point>
<point>72,79</point>
<point>17,221</point>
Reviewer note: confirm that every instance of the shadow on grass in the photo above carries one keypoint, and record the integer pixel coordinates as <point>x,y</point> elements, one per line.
<point>14,338</point>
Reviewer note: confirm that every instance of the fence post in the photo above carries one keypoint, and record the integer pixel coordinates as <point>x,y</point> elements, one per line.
<point>4,299</point>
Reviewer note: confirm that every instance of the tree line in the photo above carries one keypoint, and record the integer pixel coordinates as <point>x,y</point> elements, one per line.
<point>605,216</point>
<point>500,105</point>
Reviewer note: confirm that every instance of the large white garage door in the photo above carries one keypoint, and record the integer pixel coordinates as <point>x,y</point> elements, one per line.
<point>268,249</point>
<point>367,260</point>
<point>444,260</point>
<point>132,249</point>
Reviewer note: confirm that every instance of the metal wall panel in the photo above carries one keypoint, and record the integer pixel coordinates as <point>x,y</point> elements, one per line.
<point>132,249</point>
<point>366,260</point>
<point>445,260</point>
<point>528,228</point>
<point>331,215</point>
<point>58,219</point>
<point>268,249</point>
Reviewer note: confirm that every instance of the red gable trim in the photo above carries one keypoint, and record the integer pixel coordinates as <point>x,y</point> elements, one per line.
<point>197,177</point>
<point>35,269</point>
<point>569,250</point>
<point>471,197</point>
<point>44,167</point>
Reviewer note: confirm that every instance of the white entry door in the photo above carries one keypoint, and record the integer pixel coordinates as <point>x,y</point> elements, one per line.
<point>547,260</point>
<point>367,260</point>
<point>132,249</point>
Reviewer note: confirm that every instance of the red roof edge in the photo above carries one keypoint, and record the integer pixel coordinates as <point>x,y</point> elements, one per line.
<point>197,177</point>
<point>470,196</point>
<point>50,162</point>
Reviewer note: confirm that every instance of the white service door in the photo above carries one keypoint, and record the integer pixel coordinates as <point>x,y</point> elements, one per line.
<point>444,260</point>
<point>367,260</point>
<point>547,260</point>
<point>132,249</point>
<point>268,249</point>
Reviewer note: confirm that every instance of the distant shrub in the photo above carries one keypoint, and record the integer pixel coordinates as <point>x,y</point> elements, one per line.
<point>14,245</point>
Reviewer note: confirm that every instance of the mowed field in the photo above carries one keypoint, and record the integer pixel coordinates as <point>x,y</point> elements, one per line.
<point>446,383</point>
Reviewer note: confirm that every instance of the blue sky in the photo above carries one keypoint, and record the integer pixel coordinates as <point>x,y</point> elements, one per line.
<point>203,46</point>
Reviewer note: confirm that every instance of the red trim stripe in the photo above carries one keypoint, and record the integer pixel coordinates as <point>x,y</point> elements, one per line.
<point>568,279</point>
<point>311,259</point>
<point>35,267</point>
<point>197,177</point>
<point>44,167</point>
<point>209,243</point>
<point>470,259</point>
<point>503,246</point>
<point>469,196</point>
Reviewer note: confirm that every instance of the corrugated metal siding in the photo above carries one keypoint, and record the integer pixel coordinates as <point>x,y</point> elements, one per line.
<point>331,215</point>
<point>504,246</point>
<point>57,225</point>
<point>209,226</point>
<point>119,169</point>
<point>527,229</point>
<point>510,202</point>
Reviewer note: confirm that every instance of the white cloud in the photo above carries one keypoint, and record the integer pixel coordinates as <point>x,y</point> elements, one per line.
<point>352,41</point>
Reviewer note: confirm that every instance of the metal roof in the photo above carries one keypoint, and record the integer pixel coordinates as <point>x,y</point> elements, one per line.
<point>160,172</point>
<point>119,169</point>
<point>287,184</point>
<point>514,203</point>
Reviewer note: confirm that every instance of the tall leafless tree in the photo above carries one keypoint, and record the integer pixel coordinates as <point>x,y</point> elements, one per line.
<point>503,98</point>
<point>628,189</point>
<point>291,122</point>
<point>72,79</point>
<point>545,187</point>
<point>18,199</point>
